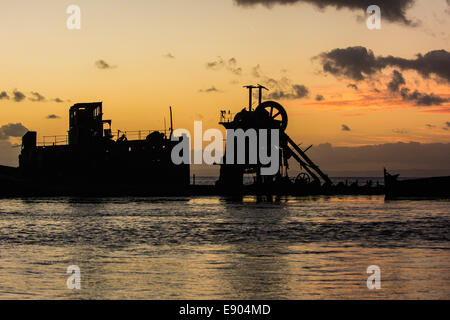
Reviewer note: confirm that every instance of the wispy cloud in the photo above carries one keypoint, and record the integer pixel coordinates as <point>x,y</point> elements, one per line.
<point>102,64</point>
<point>256,71</point>
<point>291,92</point>
<point>52,116</point>
<point>353,86</point>
<point>400,131</point>
<point>36,97</point>
<point>169,56</point>
<point>210,90</point>
<point>220,63</point>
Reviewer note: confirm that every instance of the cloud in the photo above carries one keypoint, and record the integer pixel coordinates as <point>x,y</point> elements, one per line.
<point>320,97</point>
<point>216,64</point>
<point>4,96</point>
<point>358,63</point>
<point>430,126</point>
<point>52,116</point>
<point>345,128</point>
<point>400,131</point>
<point>232,66</point>
<point>169,56</point>
<point>210,90</point>
<point>9,155</point>
<point>220,63</point>
<point>296,91</point>
<point>396,82</point>
<point>353,86</point>
<point>256,71</point>
<point>355,63</point>
<point>18,96</point>
<point>393,10</point>
<point>422,99</point>
<point>447,123</point>
<point>284,88</point>
<point>36,97</point>
<point>102,64</point>
<point>12,130</point>
<point>411,156</point>
<point>435,62</point>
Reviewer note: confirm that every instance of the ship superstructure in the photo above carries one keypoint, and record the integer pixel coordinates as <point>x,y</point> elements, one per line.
<point>90,154</point>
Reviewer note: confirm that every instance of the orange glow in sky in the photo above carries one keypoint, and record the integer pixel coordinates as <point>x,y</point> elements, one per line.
<point>158,54</point>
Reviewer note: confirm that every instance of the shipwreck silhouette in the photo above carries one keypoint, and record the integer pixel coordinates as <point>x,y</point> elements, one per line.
<point>92,161</point>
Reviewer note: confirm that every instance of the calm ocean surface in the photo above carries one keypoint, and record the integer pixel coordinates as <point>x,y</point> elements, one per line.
<point>214,248</point>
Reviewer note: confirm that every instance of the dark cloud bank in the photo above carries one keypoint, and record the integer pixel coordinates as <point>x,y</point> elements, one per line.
<point>359,64</point>
<point>392,10</point>
<point>411,159</point>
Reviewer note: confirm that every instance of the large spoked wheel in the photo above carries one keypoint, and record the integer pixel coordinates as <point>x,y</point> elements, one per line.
<point>302,178</point>
<point>276,112</point>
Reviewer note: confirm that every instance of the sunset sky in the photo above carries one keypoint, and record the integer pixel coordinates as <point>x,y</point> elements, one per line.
<point>140,57</point>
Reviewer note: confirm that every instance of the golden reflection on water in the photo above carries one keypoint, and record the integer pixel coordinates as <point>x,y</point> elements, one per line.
<point>212,248</point>
<point>222,272</point>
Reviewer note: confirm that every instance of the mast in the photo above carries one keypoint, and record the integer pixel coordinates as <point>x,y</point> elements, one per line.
<point>171,122</point>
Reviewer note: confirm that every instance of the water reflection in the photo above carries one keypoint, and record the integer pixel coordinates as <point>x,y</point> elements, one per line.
<point>217,248</point>
<point>256,268</point>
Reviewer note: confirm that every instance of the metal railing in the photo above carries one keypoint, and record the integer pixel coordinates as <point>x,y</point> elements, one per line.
<point>137,134</point>
<point>61,140</point>
<point>54,141</point>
